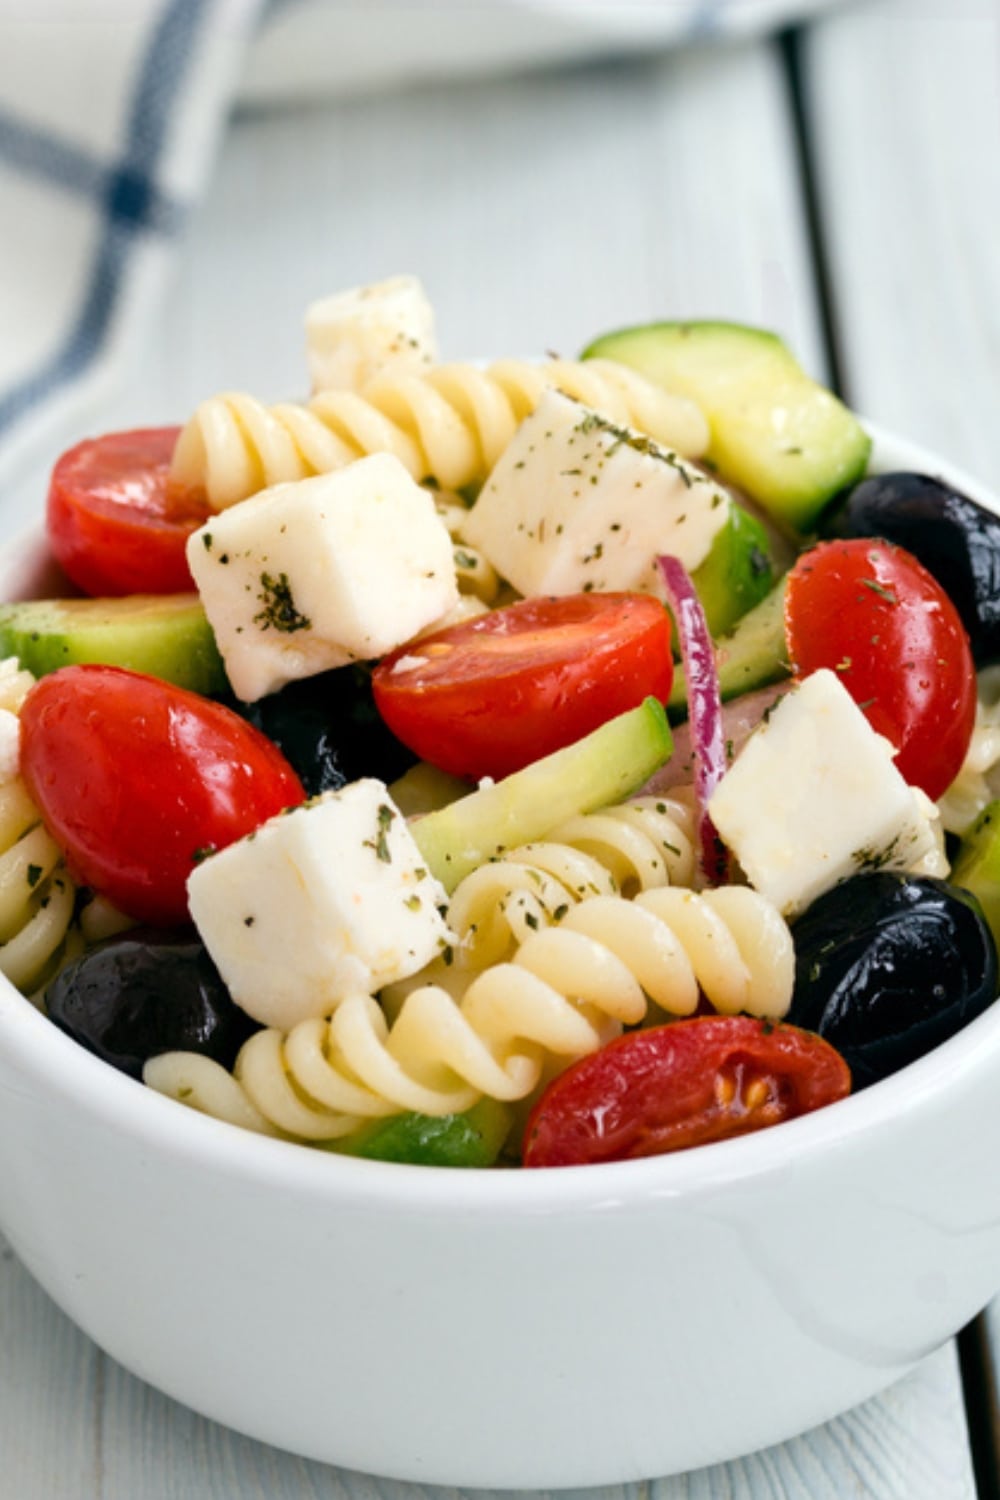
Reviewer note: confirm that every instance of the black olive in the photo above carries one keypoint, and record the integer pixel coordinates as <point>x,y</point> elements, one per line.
<point>954,537</point>
<point>328,727</point>
<point>888,965</point>
<point>143,993</point>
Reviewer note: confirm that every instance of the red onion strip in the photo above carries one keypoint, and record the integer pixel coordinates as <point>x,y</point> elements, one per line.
<point>704,708</point>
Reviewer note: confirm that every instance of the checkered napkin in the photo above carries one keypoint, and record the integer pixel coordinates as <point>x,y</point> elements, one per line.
<point>110,111</point>
<point>109,114</point>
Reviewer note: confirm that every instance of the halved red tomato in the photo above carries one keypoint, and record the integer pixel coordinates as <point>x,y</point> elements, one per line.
<point>491,695</point>
<point>137,780</point>
<point>117,523</point>
<point>684,1084</point>
<point>873,614</point>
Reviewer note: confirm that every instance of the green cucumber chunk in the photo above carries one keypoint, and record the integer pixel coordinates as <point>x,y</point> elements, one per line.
<point>977,864</point>
<point>775,433</point>
<point>754,655</point>
<point>472,1139</point>
<point>603,768</point>
<point>737,573</point>
<point>164,635</point>
<point>424,788</point>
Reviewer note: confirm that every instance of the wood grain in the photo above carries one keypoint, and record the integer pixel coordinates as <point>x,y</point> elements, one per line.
<point>906,100</point>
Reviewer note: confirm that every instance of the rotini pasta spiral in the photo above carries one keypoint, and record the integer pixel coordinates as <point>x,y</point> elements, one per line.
<point>15,683</point>
<point>474,573</point>
<point>37,897</point>
<point>450,424</point>
<point>36,894</point>
<point>636,846</point>
<point>978,781</point>
<point>567,991</point>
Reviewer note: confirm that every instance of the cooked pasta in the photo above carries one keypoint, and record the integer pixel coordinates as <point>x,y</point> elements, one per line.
<point>635,846</point>
<point>449,425</point>
<point>14,684</point>
<point>36,894</point>
<point>38,899</point>
<point>474,573</point>
<point>978,781</point>
<point>568,989</point>
<point>205,1085</point>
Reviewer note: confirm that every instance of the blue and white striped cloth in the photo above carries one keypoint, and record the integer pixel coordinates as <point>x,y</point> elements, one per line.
<point>109,115</point>
<point>111,110</point>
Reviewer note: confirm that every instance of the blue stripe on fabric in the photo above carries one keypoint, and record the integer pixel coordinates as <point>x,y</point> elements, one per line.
<point>84,337</point>
<point>130,202</point>
<point>40,154</point>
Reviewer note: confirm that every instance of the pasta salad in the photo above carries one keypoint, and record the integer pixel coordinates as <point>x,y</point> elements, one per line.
<point>534,764</point>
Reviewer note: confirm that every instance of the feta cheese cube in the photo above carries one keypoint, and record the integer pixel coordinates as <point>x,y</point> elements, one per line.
<point>814,797</point>
<point>355,335</point>
<point>320,572</point>
<point>330,899</point>
<point>577,503</point>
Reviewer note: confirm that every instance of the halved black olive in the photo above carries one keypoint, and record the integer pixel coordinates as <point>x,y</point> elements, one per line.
<point>328,727</point>
<point>144,993</point>
<point>953,536</point>
<point>888,966</point>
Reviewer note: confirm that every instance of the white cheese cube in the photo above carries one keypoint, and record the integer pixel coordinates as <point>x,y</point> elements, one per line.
<point>330,899</point>
<point>814,797</point>
<point>356,335</point>
<point>313,574</point>
<point>577,503</point>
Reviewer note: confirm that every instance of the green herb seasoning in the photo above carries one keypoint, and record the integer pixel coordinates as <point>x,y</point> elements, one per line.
<point>880,589</point>
<point>279,611</point>
<point>380,843</point>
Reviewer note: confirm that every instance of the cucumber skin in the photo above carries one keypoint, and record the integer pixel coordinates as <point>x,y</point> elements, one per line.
<point>754,655</point>
<point>740,375</point>
<point>603,768</point>
<point>471,1140</point>
<point>166,636</point>
<point>977,864</point>
<point>737,573</point>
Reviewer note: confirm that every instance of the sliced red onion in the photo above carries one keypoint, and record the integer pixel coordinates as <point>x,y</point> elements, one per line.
<point>704,709</point>
<point>740,717</point>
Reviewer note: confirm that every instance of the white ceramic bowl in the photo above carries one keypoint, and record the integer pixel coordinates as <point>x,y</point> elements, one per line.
<point>547,1328</point>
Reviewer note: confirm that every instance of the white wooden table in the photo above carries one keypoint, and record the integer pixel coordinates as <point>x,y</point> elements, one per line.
<point>841,185</point>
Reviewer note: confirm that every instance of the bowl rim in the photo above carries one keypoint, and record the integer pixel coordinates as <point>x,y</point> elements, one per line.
<point>114,1100</point>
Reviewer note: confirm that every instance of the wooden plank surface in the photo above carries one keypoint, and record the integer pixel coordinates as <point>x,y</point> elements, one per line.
<point>538,212</point>
<point>906,112</point>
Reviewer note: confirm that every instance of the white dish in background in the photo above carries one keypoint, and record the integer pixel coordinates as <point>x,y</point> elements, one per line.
<point>506,1329</point>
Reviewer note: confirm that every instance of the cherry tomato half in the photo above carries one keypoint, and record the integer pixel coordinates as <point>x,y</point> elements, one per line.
<point>487,697</point>
<point>117,523</point>
<point>137,779</point>
<point>873,614</point>
<point>681,1085</point>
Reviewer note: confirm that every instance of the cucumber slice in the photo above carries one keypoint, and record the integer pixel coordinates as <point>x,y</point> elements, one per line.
<point>602,768</point>
<point>775,433</point>
<point>737,573</point>
<point>472,1139</point>
<point>754,655</point>
<point>165,635</point>
<point>977,864</point>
